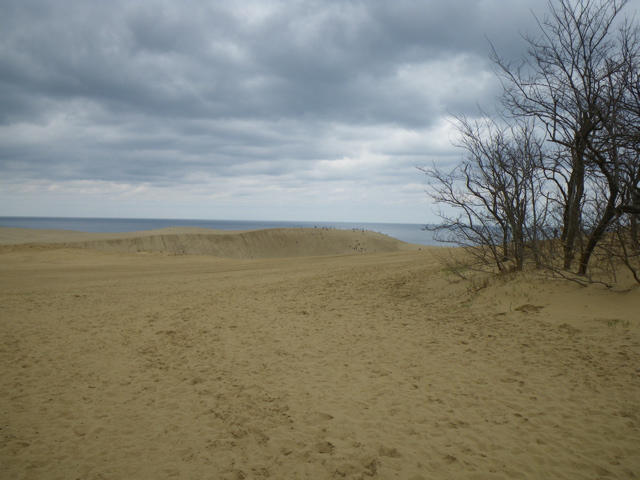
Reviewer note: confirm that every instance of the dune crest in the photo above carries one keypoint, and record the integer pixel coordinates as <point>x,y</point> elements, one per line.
<point>268,243</point>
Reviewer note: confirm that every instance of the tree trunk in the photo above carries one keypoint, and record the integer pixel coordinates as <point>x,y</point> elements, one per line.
<point>634,227</point>
<point>573,209</point>
<point>597,234</point>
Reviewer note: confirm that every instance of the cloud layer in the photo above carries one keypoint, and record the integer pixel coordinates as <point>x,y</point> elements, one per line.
<point>292,110</point>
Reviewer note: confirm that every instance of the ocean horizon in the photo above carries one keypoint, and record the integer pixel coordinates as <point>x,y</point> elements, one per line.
<point>407,232</point>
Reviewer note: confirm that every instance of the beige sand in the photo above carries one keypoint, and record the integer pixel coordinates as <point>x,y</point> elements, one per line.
<point>270,243</point>
<point>367,365</point>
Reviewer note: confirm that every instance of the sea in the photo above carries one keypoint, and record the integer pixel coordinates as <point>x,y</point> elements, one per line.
<point>407,232</point>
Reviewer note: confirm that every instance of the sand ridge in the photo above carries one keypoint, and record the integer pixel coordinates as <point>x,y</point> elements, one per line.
<point>351,366</point>
<point>268,243</point>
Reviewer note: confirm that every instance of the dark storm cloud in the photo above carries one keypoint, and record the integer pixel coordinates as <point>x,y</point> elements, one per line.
<point>210,59</point>
<point>166,92</point>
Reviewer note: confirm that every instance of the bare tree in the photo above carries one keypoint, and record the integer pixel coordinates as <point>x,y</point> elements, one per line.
<point>628,213</point>
<point>565,81</point>
<point>613,149</point>
<point>494,194</point>
<point>563,157</point>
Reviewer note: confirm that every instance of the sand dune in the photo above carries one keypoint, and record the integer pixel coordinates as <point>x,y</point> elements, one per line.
<point>121,365</point>
<point>269,243</point>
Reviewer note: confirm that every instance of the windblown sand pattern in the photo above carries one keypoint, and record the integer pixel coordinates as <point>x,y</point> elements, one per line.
<point>367,365</point>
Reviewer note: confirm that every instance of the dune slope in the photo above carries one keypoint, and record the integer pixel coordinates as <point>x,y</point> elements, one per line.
<point>268,243</point>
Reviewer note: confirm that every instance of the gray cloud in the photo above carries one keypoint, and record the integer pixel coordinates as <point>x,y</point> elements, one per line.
<point>232,106</point>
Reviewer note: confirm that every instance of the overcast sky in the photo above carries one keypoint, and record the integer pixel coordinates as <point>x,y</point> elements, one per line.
<point>233,109</point>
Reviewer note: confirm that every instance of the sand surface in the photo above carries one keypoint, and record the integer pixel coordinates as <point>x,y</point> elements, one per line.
<point>269,243</point>
<point>367,365</point>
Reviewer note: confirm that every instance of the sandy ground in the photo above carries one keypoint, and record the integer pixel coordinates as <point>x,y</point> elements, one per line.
<point>368,365</point>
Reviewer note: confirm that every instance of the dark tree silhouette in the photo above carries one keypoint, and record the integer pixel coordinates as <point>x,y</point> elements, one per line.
<point>578,86</point>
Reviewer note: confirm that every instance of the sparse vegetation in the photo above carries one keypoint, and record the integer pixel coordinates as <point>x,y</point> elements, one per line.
<point>552,180</point>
